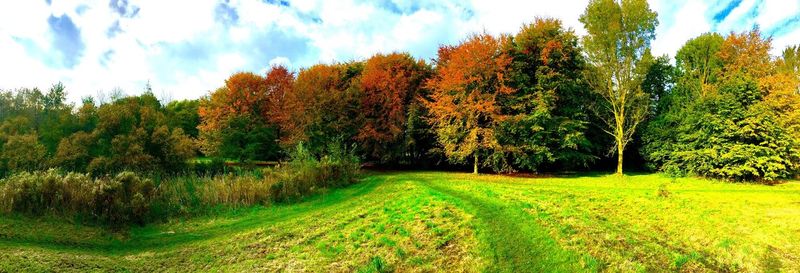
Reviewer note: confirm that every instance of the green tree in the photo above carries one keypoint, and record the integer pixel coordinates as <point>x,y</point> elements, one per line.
<point>699,63</point>
<point>697,72</point>
<point>619,35</point>
<point>741,122</point>
<point>56,118</point>
<point>548,120</point>
<point>183,114</point>
<point>23,153</point>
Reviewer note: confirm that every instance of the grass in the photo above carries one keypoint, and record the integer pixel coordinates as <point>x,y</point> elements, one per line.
<point>446,222</point>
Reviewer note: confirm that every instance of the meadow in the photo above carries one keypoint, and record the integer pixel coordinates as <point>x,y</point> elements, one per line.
<point>448,222</point>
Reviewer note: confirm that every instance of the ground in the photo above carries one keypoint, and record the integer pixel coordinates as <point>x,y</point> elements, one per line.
<point>450,222</point>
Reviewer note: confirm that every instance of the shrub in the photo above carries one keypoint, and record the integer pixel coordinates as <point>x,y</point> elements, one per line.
<point>129,199</point>
<point>122,199</point>
<point>305,173</point>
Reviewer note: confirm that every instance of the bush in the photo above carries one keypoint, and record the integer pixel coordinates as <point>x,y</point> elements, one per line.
<point>129,199</point>
<point>305,173</point>
<point>122,199</point>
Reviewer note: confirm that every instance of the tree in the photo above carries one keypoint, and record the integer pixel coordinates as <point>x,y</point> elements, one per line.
<point>547,120</point>
<point>699,61</point>
<point>131,134</point>
<point>789,63</point>
<point>323,106</point>
<point>243,93</point>
<point>238,120</point>
<point>619,35</point>
<point>744,126</point>
<point>74,152</point>
<point>389,85</point>
<point>463,103</point>
<point>279,82</point>
<point>183,114</point>
<point>23,153</point>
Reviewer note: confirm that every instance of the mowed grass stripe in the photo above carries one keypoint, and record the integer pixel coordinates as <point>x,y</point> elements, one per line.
<point>514,240</point>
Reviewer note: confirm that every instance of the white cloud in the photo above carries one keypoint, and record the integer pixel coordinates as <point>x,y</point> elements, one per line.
<point>789,39</point>
<point>182,49</point>
<point>280,61</point>
<point>678,23</point>
<point>772,12</point>
<point>507,16</point>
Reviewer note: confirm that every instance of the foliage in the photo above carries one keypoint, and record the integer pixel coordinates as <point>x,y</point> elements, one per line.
<point>23,152</point>
<point>740,125</point>
<point>234,119</point>
<point>40,131</point>
<point>323,106</point>
<point>463,102</point>
<point>183,114</point>
<point>619,35</point>
<point>389,87</point>
<point>698,59</point>
<point>132,134</point>
<point>547,116</point>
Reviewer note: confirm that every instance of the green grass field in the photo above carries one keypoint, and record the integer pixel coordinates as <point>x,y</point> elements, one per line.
<point>434,221</point>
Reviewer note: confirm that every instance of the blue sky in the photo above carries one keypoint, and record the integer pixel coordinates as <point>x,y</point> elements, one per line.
<point>187,48</point>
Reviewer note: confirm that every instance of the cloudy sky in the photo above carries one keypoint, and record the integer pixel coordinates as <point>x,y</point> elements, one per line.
<point>186,48</point>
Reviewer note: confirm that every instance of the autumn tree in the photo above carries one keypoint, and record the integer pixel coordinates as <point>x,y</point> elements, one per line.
<point>463,102</point>
<point>619,35</point>
<point>322,107</point>
<point>236,118</point>
<point>279,82</point>
<point>389,85</point>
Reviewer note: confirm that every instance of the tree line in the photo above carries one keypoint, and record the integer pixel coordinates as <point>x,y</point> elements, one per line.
<point>542,99</point>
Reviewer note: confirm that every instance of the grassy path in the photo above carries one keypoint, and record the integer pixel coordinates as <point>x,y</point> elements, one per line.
<point>514,241</point>
<point>448,222</point>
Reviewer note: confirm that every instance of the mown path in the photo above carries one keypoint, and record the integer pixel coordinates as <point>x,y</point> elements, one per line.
<point>515,242</point>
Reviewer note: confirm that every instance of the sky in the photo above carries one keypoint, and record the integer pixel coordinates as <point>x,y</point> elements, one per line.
<point>185,49</point>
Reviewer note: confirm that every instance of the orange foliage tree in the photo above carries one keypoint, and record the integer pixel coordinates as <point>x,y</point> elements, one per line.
<point>746,53</point>
<point>279,82</point>
<point>322,106</point>
<point>389,84</point>
<point>236,118</point>
<point>463,100</point>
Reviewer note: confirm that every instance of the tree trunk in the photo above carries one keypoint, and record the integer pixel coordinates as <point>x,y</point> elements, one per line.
<point>475,166</point>
<point>620,150</point>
